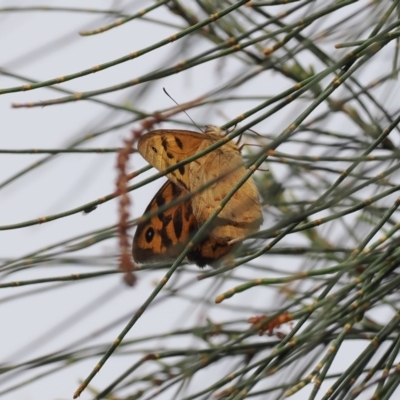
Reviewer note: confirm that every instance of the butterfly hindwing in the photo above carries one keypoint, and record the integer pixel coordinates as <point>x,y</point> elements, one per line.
<point>242,214</point>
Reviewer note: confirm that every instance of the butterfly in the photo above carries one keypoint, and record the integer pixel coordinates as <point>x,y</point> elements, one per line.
<point>210,178</point>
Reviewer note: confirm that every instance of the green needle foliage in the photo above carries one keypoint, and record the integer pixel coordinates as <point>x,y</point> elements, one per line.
<point>309,306</point>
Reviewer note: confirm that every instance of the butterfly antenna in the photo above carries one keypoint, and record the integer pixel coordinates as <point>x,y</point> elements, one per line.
<point>194,123</point>
<point>248,144</point>
<point>240,137</point>
<point>252,130</point>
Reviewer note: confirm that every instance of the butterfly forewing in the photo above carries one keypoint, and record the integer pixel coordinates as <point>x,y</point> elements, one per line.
<point>164,148</point>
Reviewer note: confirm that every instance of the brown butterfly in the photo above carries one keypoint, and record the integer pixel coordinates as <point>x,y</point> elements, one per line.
<point>165,235</point>
<point>216,173</point>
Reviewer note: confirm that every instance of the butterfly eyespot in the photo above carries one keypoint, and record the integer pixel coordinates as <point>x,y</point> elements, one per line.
<point>181,169</point>
<point>149,235</point>
<point>154,149</point>
<point>169,155</point>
